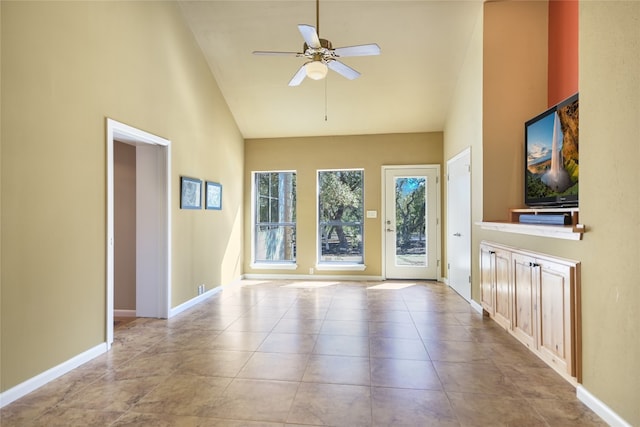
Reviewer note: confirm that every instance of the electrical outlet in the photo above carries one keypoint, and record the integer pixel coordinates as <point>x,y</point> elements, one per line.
<point>311,271</point>
<point>200,289</point>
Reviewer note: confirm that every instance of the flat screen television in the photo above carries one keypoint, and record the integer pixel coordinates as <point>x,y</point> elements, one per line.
<point>551,156</point>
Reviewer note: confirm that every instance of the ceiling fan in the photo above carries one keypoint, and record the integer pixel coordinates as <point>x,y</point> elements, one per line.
<point>322,55</point>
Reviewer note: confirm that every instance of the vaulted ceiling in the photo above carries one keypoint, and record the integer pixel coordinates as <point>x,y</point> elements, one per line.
<point>407,88</point>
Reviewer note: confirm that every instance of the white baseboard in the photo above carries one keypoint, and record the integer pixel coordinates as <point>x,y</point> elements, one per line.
<point>194,301</point>
<point>600,408</point>
<point>51,374</point>
<point>310,277</point>
<point>477,307</point>
<point>124,313</point>
<point>39,380</point>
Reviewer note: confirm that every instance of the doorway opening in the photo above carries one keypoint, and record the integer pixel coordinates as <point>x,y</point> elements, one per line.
<point>152,222</point>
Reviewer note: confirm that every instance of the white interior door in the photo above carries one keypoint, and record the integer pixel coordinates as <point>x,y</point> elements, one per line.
<point>459,223</point>
<point>411,222</point>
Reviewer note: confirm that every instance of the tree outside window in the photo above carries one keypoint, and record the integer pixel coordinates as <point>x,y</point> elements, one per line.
<point>275,217</point>
<point>340,213</point>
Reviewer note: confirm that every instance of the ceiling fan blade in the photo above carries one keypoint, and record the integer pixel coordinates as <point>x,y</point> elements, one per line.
<point>309,35</point>
<point>361,50</point>
<point>298,77</point>
<point>343,70</point>
<point>274,53</point>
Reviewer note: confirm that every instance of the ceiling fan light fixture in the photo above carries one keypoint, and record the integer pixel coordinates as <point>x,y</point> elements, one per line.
<point>316,70</point>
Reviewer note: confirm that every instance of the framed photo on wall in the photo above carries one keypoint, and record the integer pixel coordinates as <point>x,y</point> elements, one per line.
<point>213,196</point>
<point>190,193</point>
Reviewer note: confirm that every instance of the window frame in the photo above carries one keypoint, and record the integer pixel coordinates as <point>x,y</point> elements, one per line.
<point>267,264</point>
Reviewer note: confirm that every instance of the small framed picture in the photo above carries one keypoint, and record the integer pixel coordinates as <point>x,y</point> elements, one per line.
<point>190,193</point>
<point>213,196</point>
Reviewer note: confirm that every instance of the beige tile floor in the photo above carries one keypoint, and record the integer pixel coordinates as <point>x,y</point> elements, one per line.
<point>320,354</point>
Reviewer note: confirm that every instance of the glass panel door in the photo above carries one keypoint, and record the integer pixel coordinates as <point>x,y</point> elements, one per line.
<point>411,222</point>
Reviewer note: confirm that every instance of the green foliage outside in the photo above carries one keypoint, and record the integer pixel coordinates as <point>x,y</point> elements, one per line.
<point>410,212</point>
<point>341,211</point>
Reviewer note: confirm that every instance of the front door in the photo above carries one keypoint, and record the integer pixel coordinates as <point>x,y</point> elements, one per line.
<point>411,223</point>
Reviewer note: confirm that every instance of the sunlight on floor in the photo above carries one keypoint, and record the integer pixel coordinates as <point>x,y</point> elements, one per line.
<point>392,285</point>
<point>307,285</point>
<point>245,282</point>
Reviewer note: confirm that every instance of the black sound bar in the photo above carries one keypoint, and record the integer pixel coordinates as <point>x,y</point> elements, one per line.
<point>545,219</point>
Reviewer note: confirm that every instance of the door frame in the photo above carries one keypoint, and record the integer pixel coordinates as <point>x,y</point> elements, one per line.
<point>153,226</point>
<point>383,215</point>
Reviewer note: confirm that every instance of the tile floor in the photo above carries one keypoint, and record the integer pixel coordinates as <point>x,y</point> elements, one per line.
<point>311,354</point>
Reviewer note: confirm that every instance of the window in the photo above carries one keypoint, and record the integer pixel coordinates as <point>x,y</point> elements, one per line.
<point>340,214</point>
<point>274,217</point>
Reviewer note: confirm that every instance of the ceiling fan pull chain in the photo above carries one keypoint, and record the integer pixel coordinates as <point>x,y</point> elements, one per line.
<point>325,99</point>
<point>318,17</point>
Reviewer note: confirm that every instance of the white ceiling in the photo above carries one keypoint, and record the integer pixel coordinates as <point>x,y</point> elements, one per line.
<point>406,89</point>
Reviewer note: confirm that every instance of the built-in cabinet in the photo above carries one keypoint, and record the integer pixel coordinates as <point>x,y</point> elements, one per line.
<point>536,297</point>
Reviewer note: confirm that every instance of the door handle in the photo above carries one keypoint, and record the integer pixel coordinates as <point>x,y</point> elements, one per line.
<point>457,234</point>
<point>390,229</point>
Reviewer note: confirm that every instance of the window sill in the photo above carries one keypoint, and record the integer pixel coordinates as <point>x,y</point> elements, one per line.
<point>273,266</point>
<point>340,267</point>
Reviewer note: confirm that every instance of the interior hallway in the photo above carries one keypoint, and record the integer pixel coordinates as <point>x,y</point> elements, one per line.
<point>311,353</point>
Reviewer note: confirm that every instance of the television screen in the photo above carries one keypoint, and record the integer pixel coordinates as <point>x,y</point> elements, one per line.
<point>551,156</point>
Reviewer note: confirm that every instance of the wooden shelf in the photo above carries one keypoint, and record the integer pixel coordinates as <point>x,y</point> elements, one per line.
<point>568,232</point>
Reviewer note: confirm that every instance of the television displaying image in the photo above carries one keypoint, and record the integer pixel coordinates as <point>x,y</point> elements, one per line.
<point>551,156</point>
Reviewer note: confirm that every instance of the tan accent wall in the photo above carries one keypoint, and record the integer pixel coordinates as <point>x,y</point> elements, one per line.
<point>307,155</point>
<point>66,67</point>
<point>514,90</point>
<point>124,222</point>
<point>609,39</point>
<point>610,201</point>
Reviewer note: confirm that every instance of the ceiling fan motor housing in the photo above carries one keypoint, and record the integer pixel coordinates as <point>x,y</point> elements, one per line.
<point>324,50</point>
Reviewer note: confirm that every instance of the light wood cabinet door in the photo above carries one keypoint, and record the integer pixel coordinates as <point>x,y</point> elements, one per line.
<point>487,278</point>
<point>555,294</point>
<point>524,299</point>
<point>502,304</point>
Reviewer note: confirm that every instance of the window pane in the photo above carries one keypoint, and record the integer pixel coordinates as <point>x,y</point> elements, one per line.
<point>341,243</point>
<point>275,243</point>
<point>275,217</point>
<point>411,242</point>
<point>341,208</point>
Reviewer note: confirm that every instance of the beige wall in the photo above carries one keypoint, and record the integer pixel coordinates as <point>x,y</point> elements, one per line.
<point>463,129</point>
<point>66,66</point>
<point>124,223</point>
<point>307,155</point>
<point>609,199</point>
